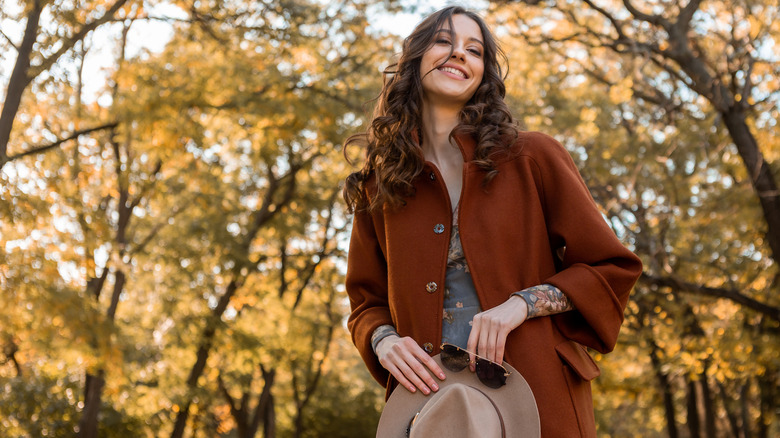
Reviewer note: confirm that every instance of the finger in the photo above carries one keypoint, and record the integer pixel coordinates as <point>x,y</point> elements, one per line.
<point>473,341</point>
<point>489,347</point>
<point>500,346</point>
<point>435,369</point>
<point>484,335</point>
<point>412,360</point>
<point>401,378</point>
<point>423,367</point>
<point>415,372</point>
<point>495,339</point>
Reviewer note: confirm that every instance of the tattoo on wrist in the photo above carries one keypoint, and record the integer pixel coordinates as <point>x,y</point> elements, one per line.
<point>380,333</point>
<point>544,300</point>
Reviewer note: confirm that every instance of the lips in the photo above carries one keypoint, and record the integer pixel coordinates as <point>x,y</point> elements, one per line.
<point>454,71</point>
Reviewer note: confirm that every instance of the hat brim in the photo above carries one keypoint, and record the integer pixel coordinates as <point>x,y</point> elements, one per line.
<point>515,400</point>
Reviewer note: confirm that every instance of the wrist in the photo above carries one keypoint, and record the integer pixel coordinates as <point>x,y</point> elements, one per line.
<point>389,338</point>
<point>522,298</point>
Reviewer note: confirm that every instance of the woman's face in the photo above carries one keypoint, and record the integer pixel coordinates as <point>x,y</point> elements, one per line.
<point>453,82</point>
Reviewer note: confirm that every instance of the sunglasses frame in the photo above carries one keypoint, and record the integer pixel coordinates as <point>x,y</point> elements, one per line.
<point>506,372</point>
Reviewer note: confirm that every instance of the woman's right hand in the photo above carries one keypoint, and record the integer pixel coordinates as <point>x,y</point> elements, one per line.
<point>409,364</point>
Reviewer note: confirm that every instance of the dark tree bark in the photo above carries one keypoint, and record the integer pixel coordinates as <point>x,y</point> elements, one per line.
<point>692,409</point>
<point>19,79</point>
<point>93,388</point>
<point>730,414</point>
<point>744,398</point>
<point>709,405</point>
<point>248,419</point>
<point>667,393</point>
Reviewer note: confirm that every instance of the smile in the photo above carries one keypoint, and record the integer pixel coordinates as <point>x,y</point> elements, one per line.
<point>454,71</point>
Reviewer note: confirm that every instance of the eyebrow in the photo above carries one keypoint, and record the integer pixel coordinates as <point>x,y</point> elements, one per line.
<point>451,33</point>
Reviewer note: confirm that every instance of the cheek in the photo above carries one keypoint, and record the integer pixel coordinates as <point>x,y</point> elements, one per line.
<point>480,75</point>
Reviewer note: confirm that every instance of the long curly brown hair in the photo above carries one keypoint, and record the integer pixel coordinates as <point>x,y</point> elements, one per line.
<point>392,153</point>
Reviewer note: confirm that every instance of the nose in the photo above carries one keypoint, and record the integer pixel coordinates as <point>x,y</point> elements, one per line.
<point>458,53</point>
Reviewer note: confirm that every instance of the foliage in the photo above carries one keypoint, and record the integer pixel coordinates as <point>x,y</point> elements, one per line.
<point>190,251</point>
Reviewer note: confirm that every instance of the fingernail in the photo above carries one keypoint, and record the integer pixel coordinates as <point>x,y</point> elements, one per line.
<point>442,376</point>
<point>426,391</point>
<point>435,387</point>
<point>412,389</point>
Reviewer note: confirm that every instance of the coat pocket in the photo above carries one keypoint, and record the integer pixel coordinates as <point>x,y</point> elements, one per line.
<point>578,370</point>
<point>574,354</point>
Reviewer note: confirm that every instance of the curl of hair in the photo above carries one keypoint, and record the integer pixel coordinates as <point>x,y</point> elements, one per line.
<point>393,155</point>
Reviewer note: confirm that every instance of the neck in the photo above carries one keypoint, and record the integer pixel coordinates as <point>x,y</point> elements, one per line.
<point>437,124</point>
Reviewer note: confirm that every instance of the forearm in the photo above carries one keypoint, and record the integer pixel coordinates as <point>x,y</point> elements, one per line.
<point>544,300</point>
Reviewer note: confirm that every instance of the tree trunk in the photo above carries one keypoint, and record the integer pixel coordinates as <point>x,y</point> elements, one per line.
<point>666,391</point>
<point>202,356</point>
<point>760,176</point>
<point>264,404</point>
<point>767,390</point>
<point>709,407</point>
<point>269,419</point>
<point>744,397</point>
<point>730,414</point>
<point>88,424</point>
<point>19,80</point>
<point>692,405</point>
<point>192,381</point>
<point>93,388</point>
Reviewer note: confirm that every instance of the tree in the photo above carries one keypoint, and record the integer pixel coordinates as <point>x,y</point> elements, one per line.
<point>718,51</point>
<point>70,24</point>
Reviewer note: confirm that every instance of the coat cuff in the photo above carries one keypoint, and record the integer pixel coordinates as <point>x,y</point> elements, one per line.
<point>597,317</point>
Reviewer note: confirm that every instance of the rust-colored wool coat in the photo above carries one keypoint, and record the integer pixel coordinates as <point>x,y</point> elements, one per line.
<point>511,230</point>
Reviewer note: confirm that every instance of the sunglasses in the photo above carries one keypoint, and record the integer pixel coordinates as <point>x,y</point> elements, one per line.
<point>491,374</point>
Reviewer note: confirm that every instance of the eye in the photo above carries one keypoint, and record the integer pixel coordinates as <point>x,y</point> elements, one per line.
<point>475,52</point>
<point>443,41</point>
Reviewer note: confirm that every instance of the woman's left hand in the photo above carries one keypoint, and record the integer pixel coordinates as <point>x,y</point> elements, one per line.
<point>490,329</point>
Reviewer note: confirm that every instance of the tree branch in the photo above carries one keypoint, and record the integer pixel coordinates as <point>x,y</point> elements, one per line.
<point>9,40</point>
<point>18,80</point>
<point>75,135</point>
<point>70,42</point>
<point>686,14</point>
<point>730,294</point>
<point>652,19</point>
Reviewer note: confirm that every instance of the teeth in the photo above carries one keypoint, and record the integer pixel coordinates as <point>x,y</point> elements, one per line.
<point>453,71</point>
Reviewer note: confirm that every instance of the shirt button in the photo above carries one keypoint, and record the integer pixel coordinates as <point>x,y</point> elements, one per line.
<point>432,176</point>
<point>431,287</point>
<point>438,228</point>
<point>428,347</point>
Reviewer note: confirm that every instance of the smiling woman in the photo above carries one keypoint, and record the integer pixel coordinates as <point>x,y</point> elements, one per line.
<point>473,236</point>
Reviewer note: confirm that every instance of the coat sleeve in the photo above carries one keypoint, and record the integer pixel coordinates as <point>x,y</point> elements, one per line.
<point>366,285</point>
<point>598,272</point>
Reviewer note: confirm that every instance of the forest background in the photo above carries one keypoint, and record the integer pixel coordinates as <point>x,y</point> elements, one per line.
<point>172,242</point>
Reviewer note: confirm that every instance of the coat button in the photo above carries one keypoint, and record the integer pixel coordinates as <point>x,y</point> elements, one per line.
<point>438,228</point>
<point>428,347</point>
<point>431,287</point>
<point>432,176</point>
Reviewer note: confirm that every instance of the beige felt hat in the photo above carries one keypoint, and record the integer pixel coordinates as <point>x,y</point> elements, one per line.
<point>463,407</point>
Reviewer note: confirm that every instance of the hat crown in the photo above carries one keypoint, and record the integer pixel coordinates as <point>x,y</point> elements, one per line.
<point>460,401</point>
<point>458,411</point>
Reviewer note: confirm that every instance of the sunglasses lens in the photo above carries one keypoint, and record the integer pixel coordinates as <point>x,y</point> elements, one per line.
<point>491,374</point>
<point>453,358</point>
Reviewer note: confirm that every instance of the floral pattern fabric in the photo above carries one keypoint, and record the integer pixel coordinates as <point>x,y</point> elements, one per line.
<point>460,297</point>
